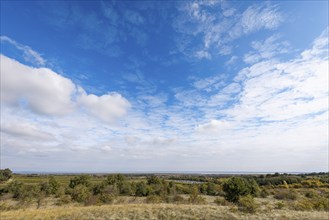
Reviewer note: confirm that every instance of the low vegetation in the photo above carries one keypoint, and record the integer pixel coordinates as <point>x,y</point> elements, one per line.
<point>163,196</point>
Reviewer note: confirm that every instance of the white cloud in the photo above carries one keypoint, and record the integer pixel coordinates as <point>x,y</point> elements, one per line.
<point>214,126</point>
<point>210,83</point>
<point>266,49</point>
<point>217,25</point>
<point>41,89</point>
<point>279,113</point>
<point>202,54</point>
<point>320,47</point>
<point>20,130</point>
<point>232,60</point>
<point>46,92</point>
<point>28,54</point>
<point>107,107</point>
<point>258,17</point>
<point>275,91</point>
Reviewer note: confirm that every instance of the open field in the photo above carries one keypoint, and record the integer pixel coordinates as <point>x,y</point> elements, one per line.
<point>154,211</point>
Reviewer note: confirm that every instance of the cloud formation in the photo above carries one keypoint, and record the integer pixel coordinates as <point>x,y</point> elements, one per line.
<point>216,30</point>
<point>45,92</point>
<point>28,54</point>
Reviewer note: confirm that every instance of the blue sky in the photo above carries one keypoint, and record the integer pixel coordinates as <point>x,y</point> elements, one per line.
<point>106,86</point>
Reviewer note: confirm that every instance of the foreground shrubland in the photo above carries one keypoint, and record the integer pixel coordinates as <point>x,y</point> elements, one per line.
<point>162,197</point>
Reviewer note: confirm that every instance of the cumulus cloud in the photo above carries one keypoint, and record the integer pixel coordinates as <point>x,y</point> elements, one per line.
<point>41,89</point>
<point>107,107</point>
<point>45,92</point>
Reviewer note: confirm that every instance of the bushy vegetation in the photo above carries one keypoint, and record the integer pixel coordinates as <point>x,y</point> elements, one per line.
<point>5,174</point>
<point>247,204</point>
<point>237,192</point>
<point>236,187</point>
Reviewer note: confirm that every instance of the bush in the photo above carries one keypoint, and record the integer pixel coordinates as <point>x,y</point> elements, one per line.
<point>106,198</point>
<point>50,187</point>
<point>264,193</point>
<point>321,204</point>
<point>23,192</point>
<point>195,198</point>
<point>236,187</point>
<point>286,195</point>
<point>141,189</point>
<point>80,193</point>
<point>5,174</point>
<point>247,204</point>
<point>303,205</point>
<point>80,180</point>
<point>310,194</point>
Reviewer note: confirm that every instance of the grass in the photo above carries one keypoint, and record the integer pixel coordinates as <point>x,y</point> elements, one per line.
<point>153,211</point>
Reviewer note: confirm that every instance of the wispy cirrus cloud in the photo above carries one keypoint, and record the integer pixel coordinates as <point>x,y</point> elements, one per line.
<point>29,55</point>
<point>217,30</point>
<point>266,49</point>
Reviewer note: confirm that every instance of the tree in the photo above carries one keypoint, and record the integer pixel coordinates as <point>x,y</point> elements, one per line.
<point>5,174</point>
<point>80,193</point>
<point>236,187</point>
<point>80,180</point>
<point>141,189</point>
<point>51,187</point>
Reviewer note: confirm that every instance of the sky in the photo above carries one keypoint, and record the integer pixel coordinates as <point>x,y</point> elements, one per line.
<point>135,86</point>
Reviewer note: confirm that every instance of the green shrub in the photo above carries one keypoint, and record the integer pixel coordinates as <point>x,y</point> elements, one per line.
<point>264,193</point>
<point>141,189</point>
<point>194,197</point>
<point>247,204</point>
<point>321,204</point>
<point>310,194</point>
<point>236,187</point>
<point>80,180</point>
<point>5,174</point>
<point>106,198</point>
<point>80,193</point>
<point>50,187</point>
<point>22,191</point>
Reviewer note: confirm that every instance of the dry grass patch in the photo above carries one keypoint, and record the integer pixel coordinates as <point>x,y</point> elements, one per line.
<point>153,211</point>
